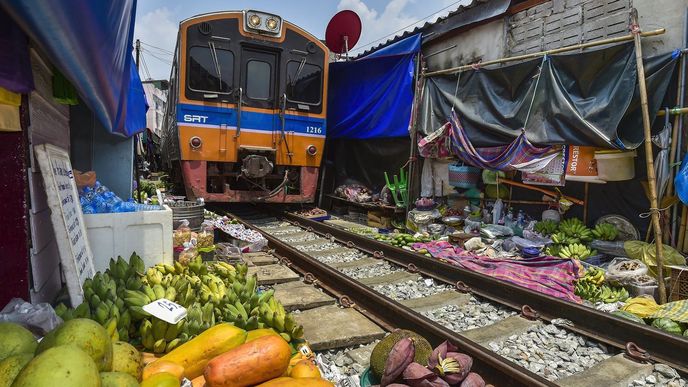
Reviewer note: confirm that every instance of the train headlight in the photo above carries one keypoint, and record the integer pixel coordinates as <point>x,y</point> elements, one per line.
<point>254,21</point>
<point>312,150</point>
<point>272,24</point>
<point>195,142</point>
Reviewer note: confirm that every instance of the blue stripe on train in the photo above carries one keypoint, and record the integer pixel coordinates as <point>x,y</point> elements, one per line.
<point>212,115</point>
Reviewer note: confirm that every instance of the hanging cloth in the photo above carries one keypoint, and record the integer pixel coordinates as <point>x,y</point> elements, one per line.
<point>519,154</point>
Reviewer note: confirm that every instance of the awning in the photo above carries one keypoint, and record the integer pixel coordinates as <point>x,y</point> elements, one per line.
<point>90,43</point>
<point>371,97</point>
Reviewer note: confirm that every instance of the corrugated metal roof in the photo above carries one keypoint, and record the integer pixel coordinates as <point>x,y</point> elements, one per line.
<point>492,8</point>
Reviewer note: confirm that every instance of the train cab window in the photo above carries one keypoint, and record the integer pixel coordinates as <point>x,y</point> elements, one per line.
<point>304,82</point>
<point>258,79</point>
<point>211,69</point>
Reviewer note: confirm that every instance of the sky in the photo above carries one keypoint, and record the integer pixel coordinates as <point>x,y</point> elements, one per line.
<point>157,21</point>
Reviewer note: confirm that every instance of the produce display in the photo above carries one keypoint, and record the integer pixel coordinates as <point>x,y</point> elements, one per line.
<point>591,287</point>
<point>642,309</point>
<point>401,240</point>
<point>238,231</point>
<point>409,360</point>
<point>312,213</point>
<point>211,292</point>
<point>570,237</point>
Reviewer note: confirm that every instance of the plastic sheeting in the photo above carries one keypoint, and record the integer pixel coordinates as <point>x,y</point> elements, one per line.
<point>581,99</point>
<point>15,65</point>
<point>372,96</point>
<point>90,42</point>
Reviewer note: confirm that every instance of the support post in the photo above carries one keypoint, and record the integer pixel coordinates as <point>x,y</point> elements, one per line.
<point>649,159</point>
<point>136,165</point>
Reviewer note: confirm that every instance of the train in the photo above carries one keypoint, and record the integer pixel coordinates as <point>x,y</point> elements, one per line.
<point>247,103</point>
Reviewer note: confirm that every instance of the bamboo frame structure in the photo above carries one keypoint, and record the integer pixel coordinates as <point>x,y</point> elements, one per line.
<point>580,46</point>
<point>649,158</point>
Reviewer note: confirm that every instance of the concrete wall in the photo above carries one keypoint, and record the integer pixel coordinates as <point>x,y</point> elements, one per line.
<point>558,23</point>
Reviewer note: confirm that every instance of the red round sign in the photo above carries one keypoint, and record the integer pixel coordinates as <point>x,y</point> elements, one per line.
<point>343,31</point>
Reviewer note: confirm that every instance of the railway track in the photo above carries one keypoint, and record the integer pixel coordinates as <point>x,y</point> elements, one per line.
<point>511,343</point>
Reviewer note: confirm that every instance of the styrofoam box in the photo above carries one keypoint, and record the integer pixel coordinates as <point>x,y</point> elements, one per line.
<point>148,233</point>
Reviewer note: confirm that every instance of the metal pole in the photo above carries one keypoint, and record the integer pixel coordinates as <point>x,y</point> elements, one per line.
<point>649,159</point>
<point>674,147</point>
<point>414,134</point>
<point>543,53</point>
<point>136,166</point>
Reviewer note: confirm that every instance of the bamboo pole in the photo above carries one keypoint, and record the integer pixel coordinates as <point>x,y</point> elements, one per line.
<point>673,111</point>
<point>649,159</point>
<point>580,46</point>
<point>682,229</point>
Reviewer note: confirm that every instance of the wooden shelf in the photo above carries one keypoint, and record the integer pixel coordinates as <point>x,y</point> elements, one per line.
<point>369,206</point>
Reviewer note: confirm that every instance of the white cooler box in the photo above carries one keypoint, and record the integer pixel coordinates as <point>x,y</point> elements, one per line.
<point>148,233</point>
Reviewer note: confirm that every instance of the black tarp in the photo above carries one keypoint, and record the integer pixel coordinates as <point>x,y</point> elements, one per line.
<point>587,98</point>
<point>366,161</point>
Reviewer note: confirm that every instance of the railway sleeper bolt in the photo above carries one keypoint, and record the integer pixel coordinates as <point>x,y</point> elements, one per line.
<point>412,268</point>
<point>346,302</point>
<point>635,353</point>
<point>309,229</point>
<point>462,287</point>
<point>529,313</point>
<point>350,244</point>
<point>379,254</point>
<point>285,261</point>
<point>310,279</point>
<point>328,236</point>
<point>271,252</point>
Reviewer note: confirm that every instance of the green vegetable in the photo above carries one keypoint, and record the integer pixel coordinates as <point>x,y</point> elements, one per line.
<point>629,316</point>
<point>667,325</point>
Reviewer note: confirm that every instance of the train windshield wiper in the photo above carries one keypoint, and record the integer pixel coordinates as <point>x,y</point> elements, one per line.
<point>213,54</point>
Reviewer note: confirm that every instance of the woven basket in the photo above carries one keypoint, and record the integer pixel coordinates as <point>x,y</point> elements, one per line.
<point>463,176</point>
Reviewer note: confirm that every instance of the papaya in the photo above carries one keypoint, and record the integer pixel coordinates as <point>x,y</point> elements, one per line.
<point>62,366</point>
<point>198,382</point>
<point>11,366</point>
<point>148,358</point>
<point>161,366</point>
<point>256,333</point>
<point>86,334</point>
<point>162,379</point>
<point>117,379</point>
<point>195,354</point>
<point>305,369</point>
<point>15,339</point>
<point>254,362</point>
<point>126,358</point>
<point>293,382</point>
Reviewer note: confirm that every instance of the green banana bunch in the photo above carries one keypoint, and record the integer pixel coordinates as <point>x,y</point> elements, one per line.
<point>605,232</point>
<point>574,228</point>
<point>563,239</point>
<point>546,227</point>
<point>576,251</point>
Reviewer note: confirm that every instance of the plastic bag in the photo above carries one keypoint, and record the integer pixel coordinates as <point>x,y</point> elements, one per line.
<point>681,181</point>
<point>421,219</point>
<point>206,238</point>
<point>623,270</point>
<point>646,252</point>
<point>39,318</point>
<point>182,234</point>
<point>493,231</point>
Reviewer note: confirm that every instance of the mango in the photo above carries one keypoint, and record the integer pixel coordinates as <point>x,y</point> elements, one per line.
<point>15,339</point>
<point>117,379</point>
<point>11,366</point>
<point>125,358</point>
<point>85,334</point>
<point>66,365</point>
<point>162,379</point>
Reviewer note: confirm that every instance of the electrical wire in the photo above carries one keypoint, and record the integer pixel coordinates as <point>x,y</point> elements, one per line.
<point>362,46</point>
<point>145,66</point>
<point>166,61</point>
<point>168,52</point>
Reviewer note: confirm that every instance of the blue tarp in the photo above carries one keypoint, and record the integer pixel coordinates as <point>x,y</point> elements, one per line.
<point>90,43</point>
<point>371,97</point>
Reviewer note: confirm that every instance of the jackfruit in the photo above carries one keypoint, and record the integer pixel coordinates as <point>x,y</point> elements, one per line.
<point>378,357</point>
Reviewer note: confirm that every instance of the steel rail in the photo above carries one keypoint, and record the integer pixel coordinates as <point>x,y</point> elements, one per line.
<point>493,368</point>
<point>604,327</point>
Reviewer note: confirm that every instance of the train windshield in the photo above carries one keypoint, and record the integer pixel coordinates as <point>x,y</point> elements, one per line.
<point>211,69</point>
<point>304,82</point>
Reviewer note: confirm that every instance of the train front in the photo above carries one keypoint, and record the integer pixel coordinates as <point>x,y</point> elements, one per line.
<point>250,114</point>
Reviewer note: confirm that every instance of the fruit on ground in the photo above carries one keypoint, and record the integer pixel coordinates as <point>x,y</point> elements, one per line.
<point>126,358</point>
<point>162,379</point>
<point>117,379</point>
<point>11,366</point>
<point>86,334</point>
<point>378,358</point>
<point>15,339</point>
<point>305,369</point>
<point>195,354</point>
<point>249,364</point>
<point>161,366</point>
<point>293,382</point>
<point>62,366</point>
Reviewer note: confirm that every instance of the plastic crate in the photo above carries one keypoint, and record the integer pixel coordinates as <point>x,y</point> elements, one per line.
<point>148,233</point>
<point>678,289</point>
